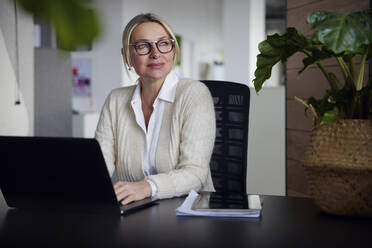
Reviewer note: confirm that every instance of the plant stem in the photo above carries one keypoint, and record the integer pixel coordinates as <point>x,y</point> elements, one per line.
<point>316,119</point>
<point>325,73</point>
<point>352,67</point>
<point>345,70</point>
<point>331,78</point>
<point>359,82</point>
<point>322,69</point>
<point>369,104</point>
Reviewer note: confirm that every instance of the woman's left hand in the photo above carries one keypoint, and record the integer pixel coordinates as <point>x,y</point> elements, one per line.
<point>127,192</point>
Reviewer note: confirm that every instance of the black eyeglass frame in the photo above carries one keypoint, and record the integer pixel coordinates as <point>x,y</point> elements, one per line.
<point>151,46</point>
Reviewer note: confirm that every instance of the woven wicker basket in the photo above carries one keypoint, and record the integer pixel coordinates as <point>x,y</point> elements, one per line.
<point>338,165</point>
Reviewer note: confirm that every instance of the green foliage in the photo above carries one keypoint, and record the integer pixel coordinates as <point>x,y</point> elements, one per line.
<point>342,32</point>
<point>179,41</point>
<point>75,23</point>
<point>339,36</point>
<point>277,48</point>
<point>330,116</point>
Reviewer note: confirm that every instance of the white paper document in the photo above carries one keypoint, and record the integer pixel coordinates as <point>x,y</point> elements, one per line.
<point>186,208</point>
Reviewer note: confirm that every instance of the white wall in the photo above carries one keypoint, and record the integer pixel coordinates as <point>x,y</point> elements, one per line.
<point>24,67</point>
<point>244,28</point>
<point>257,33</point>
<point>85,124</point>
<point>266,142</point>
<point>236,40</point>
<point>53,91</point>
<point>105,55</point>
<point>14,119</point>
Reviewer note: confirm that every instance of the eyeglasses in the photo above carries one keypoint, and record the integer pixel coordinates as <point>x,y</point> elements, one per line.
<point>145,47</point>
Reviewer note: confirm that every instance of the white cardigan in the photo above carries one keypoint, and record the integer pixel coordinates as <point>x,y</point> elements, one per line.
<point>185,142</point>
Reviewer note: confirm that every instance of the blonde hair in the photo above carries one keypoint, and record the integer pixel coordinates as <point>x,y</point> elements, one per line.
<point>132,24</point>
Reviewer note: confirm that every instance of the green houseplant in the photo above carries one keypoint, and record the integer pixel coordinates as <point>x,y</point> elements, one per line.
<point>75,22</point>
<point>338,160</point>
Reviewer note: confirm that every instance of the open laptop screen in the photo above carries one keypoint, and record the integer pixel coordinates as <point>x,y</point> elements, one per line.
<point>55,173</point>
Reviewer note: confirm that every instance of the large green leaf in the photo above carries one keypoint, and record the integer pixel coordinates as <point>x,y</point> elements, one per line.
<point>342,32</point>
<point>75,23</point>
<point>277,48</point>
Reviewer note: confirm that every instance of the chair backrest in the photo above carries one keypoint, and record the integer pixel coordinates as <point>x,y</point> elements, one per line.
<point>229,158</point>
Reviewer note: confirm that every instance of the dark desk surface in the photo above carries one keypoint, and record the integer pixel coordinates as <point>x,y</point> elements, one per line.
<point>285,222</point>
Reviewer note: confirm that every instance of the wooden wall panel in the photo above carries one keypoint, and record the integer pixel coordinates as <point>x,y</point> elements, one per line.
<point>297,140</point>
<point>297,186</point>
<point>295,4</point>
<point>310,83</point>
<point>304,121</point>
<point>295,62</point>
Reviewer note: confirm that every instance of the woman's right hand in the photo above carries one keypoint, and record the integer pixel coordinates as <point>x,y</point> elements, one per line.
<point>127,192</point>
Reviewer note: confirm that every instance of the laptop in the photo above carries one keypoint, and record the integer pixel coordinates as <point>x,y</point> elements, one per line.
<point>53,174</point>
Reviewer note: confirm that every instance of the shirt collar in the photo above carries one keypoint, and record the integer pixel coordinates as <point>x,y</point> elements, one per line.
<point>167,91</point>
<point>137,93</point>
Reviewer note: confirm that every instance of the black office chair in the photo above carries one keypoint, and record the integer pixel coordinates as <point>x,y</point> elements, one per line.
<point>229,158</point>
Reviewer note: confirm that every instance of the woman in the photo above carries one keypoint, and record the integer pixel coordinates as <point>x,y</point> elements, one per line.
<point>159,134</point>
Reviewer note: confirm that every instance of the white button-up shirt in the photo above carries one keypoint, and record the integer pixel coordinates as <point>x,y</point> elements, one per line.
<point>151,134</point>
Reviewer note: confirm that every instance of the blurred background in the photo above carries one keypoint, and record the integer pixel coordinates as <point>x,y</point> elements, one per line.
<point>46,90</point>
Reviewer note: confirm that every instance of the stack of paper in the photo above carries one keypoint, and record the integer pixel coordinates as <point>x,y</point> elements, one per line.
<point>186,208</point>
